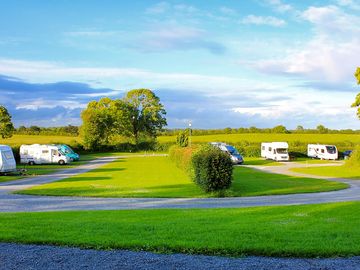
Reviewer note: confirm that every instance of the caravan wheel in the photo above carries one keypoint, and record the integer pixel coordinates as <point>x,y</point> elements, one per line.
<point>61,162</point>
<point>31,163</point>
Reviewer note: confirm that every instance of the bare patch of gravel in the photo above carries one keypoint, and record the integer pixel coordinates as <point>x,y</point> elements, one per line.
<point>18,256</point>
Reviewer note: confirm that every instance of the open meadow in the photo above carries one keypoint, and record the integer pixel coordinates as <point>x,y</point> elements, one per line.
<point>350,139</point>
<point>17,140</point>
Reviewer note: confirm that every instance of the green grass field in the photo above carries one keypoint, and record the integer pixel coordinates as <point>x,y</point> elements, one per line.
<point>298,231</point>
<point>331,171</point>
<point>46,168</point>
<point>17,140</point>
<point>159,177</point>
<point>265,137</point>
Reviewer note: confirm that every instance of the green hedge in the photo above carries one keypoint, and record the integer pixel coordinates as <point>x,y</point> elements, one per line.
<point>210,168</point>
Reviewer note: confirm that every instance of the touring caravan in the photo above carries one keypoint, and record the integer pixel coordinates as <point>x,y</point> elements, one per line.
<point>69,152</point>
<point>275,150</point>
<point>7,160</point>
<point>235,156</point>
<point>42,154</point>
<point>322,151</point>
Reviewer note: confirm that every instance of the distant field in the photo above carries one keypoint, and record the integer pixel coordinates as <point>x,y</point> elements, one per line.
<point>266,137</point>
<point>18,140</point>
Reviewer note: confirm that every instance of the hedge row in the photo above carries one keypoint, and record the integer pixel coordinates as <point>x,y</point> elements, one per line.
<point>210,168</point>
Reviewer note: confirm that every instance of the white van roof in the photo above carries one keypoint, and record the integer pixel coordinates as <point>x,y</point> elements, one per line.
<point>277,144</point>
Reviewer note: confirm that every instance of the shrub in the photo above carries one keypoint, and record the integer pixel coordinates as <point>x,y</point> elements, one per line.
<point>181,156</point>
<point>212,169</point>
<point>354,160</point>
<point>182,139</point>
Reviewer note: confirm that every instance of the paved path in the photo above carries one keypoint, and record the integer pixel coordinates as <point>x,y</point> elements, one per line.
<point>29,203</point>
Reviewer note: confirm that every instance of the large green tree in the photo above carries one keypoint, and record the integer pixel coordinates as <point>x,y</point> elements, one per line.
<point>147,114</point>
<point>101,120</point>
<point>138,115</point>
<point>357,99</point>
<point>6,126</point>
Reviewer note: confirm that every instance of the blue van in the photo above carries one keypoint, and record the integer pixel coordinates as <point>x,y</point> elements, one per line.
<point>69,152</point>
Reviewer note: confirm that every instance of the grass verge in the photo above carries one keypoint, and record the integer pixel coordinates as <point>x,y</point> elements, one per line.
<point>158,177</point>
<point>331,171</point>
<point>321,230</point>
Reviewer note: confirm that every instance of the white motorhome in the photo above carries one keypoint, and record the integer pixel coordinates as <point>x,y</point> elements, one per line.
<point>42,154</point>
<point>7,160</point>
<point>322,151</point>
<point>275,150</point>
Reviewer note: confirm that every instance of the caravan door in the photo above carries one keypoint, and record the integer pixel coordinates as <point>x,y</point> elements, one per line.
<point>8,161</point>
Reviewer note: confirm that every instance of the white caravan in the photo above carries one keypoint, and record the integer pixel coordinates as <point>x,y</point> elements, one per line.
<point>275,150</point>
<point>42,154</point>
<point>7,160</point>
<point>322,151</point>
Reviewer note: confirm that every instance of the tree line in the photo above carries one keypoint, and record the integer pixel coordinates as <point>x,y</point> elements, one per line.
<point>139,116</point>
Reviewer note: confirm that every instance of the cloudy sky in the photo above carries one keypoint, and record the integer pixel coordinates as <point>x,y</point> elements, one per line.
<point>215,63</point>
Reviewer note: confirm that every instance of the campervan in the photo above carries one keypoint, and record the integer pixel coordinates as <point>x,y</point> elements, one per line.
<point>7,160</point>
<point>275,150</point>
<point>69,152</point>
<point>322,151</point>
<point>235,156</point>
<point>42,154</point>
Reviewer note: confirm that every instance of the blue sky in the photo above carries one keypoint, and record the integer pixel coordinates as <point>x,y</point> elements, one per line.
<point>215,63</point>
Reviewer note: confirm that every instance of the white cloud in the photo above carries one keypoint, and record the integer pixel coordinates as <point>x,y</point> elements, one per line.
<point>349,3</point>
<point>279,5</point>
<point>331,54</point>
<point>42,103</point>
<point>228,11</point>
<point>158,8</point>
<point>261,20</point>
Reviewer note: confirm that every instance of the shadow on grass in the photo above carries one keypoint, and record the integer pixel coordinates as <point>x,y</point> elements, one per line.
<point>259,162</point>
<point>87,178</point>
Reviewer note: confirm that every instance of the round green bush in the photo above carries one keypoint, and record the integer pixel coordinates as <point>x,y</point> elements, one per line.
<point>212,169</point>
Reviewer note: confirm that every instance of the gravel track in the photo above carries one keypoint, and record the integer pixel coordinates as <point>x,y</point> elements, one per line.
<point>18,256</point>
<point>30,203</point>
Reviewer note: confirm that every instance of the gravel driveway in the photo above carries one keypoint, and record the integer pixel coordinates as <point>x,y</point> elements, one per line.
<point>29,203</point>
<point>17,256</point>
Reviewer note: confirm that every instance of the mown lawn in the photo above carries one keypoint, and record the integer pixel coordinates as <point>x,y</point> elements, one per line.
<point>49,168</point>
<point>332,171</point>
<point>298,231</point>
<point>158,177</point>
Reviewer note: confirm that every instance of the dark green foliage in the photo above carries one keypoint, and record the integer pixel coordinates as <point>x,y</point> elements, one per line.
<point>182,157</point>
<point>6,126</point>
<point>182,139</point>
<point>212,169</point>
<point>69,130</point>
<point>354,160</point>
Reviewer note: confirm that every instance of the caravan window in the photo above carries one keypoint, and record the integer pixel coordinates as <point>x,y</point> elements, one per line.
<point>322,151</point>
<point>25,152</point>
<point>331,149</point>
<point>282,150</point>
<point>54,152</point>
<point>8,155</point>
<point>45,151</point>
<point>270,149</point>
<point>263,148</point>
